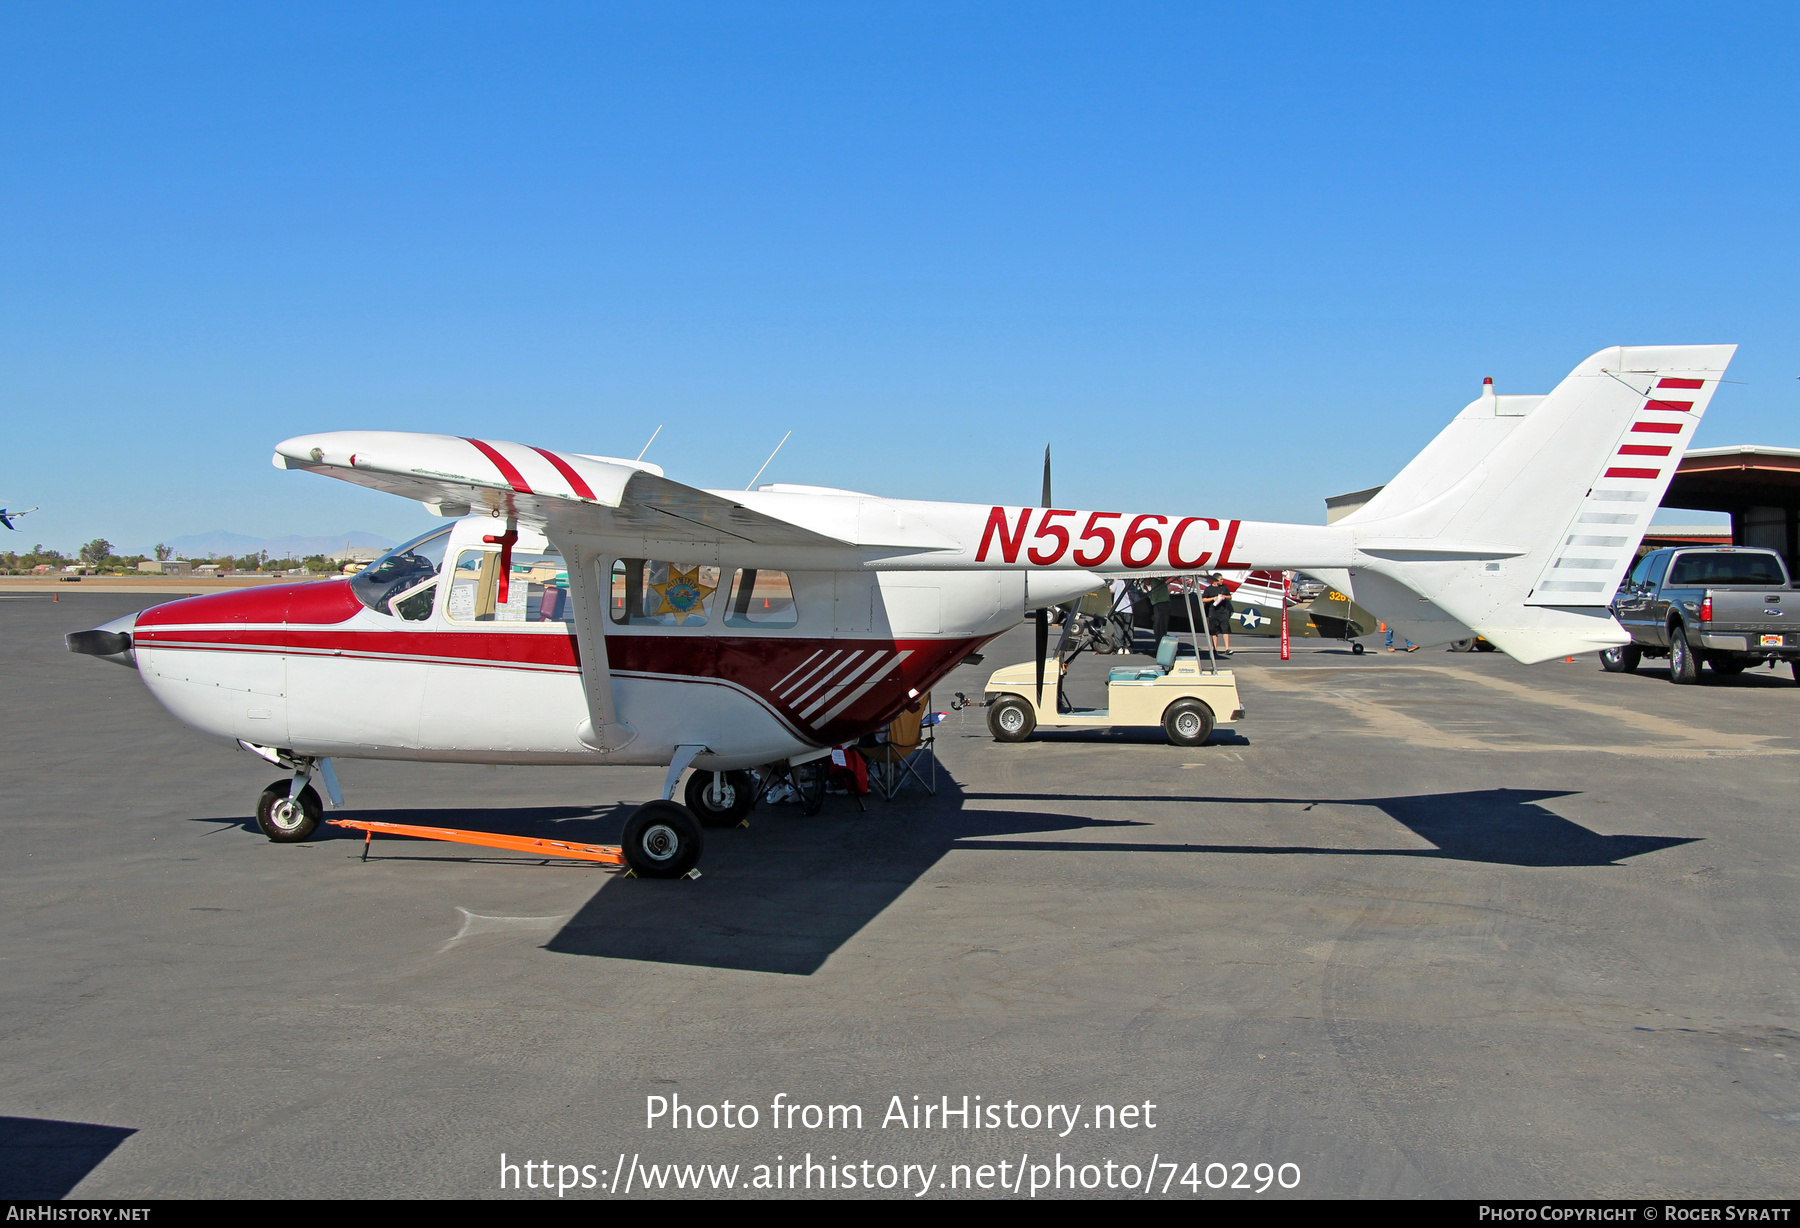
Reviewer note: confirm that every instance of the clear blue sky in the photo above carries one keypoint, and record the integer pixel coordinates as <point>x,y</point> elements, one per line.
<point>1225,258</point>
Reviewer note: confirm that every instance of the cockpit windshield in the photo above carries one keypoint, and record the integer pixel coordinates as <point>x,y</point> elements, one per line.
<point>404,567</point>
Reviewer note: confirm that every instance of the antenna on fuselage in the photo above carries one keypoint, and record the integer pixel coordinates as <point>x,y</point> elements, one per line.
<point>767,463</point>
<point>651,440</point>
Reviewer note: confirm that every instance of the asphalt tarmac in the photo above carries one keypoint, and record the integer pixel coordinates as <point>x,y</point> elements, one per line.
<point>1425,925</point>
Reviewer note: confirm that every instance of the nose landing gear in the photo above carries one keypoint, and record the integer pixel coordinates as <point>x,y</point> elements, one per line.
<point>288,812</point>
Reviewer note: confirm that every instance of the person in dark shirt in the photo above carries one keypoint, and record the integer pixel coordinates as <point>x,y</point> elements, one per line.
<point>1216,599</point>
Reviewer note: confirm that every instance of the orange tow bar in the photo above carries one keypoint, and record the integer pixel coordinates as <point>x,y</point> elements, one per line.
<point>605,854</point>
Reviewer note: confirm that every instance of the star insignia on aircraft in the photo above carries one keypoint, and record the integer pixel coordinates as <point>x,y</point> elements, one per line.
<point>682,594</point>
<point>1252,620</point>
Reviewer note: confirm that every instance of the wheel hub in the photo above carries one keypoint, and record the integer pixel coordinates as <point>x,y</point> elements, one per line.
<point>660,842</point>
<point>1187,724</point>
<point>285,814</point>
<point>1012,719</point>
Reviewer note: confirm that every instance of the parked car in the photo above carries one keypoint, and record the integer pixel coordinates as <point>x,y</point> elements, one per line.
<point>1729,607</point>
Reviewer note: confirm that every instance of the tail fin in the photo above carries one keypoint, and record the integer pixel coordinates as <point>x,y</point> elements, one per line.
<point>1521,517</point>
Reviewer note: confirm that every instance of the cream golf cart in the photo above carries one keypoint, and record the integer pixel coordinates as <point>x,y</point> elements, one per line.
<point>1182,695</point>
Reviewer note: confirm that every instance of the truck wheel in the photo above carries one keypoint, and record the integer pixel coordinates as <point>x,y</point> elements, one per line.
<point>1011,720</point>
<point>662,840</point>
<point>1684,666</point>
<point>737,791</point>
<point>1621,660</point>
<point>1187,722</point>
<point>1725,667</point>
<point>285,820</point>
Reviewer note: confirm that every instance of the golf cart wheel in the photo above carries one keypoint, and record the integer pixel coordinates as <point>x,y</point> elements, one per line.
<point>288,820</point>
<point>662,840</point>
<point>1621,660</point>
<point>1467,645</point>
<point>1187,722</point>
<point>737,791</point>
<point>1356,649</point>
<point>1684,666</point>
<point>1011,720</point>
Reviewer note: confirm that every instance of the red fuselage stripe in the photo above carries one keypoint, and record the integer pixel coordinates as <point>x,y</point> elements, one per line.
<point>513,477</point>
<point>567,470</point>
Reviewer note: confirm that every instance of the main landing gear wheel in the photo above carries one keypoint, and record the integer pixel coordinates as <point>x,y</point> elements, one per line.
<point>1011,720</point>
<point>1621,660</point>
<point>288,820</point>
<point>1187,722</point>
<point>1684,666</point>
<point>1356,649</point>
<point>737,792</point>
<point>662,840</point>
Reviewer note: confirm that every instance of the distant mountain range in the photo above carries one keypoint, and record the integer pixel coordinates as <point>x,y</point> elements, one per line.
<point>293,546</point>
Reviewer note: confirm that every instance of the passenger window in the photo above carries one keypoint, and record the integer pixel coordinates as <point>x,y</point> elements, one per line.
<point>1639,572</point>
<point>657,593</point>
<point>761,598</point>
<point>1659,563</point>
<point>536,589</point>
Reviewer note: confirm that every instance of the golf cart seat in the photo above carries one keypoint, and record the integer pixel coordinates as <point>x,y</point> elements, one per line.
<point>1165,661</point>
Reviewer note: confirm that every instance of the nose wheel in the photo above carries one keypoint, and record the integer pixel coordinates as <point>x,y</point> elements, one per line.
<point>662,840</point>
<point>285,818</point>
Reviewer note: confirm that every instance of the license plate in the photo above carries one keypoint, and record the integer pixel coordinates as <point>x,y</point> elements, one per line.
<point>1771,641</point>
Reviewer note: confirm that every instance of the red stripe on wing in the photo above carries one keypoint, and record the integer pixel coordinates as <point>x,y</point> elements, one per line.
<point>513,477</point>
<point>567,470</point>
<point>1632,473</point>
<point>1642,449</point>
<point>1658,428</point>
<point>1678,407</point>
<point>1672,382</point>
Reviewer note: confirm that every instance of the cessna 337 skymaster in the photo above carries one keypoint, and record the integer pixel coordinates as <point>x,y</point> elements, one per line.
<point>588,610</point>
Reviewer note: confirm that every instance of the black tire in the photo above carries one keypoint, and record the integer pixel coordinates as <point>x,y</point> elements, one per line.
<point>1011,720</point>
<point>1187,722</point>
<point>662,840</point>
<point>1356,649</point>
<point>1684,666</point>
<point>285,821</point>
<point>1462,645</point>
<point>1621,660</point>
<point>1726,667</point>
<point>739,790</point>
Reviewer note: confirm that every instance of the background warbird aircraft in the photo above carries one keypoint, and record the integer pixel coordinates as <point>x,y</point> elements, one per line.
<point>588,610</point>
<point>7,517</point>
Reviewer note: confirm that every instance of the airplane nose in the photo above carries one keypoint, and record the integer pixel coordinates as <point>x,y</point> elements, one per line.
<point>109,642</point>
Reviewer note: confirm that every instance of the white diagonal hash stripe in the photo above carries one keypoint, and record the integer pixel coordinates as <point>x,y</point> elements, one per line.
<point>831,691</point>
<point>862,690</point>
<point>825,677</point>
<point>821,665</point>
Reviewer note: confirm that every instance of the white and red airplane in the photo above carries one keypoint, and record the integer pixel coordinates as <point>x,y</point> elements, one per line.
<point>587,610</point>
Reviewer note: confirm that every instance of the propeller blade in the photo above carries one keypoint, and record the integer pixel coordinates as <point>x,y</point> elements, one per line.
<point>1043,646</point>
<point>1046,475</point>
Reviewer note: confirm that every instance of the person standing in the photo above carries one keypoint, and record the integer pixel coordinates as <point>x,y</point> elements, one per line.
<point>1162,608</point>
<point>1216,600</point>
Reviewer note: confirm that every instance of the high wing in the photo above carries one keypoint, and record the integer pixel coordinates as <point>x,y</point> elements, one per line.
<point>453,476</point>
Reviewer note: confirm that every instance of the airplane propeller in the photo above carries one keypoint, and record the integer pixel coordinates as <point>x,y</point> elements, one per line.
<point>1043,614</point>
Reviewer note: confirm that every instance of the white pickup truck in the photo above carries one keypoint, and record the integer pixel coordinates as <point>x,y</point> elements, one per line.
<point>1729,607</point>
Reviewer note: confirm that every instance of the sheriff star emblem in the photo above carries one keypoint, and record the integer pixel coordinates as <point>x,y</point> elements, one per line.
<point>682,594</point>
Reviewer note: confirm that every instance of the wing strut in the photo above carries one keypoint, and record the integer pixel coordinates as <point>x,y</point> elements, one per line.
<point>603,730</point>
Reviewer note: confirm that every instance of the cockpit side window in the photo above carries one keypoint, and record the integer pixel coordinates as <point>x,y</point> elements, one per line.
<point>400,571</point>
<point>535,590</point>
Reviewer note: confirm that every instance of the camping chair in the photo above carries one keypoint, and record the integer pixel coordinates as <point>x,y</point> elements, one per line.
<point>909,750</point>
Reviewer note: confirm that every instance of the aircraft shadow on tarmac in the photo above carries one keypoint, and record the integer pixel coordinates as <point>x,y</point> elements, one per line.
<point>46,1159</point>
<point>784,894</point>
